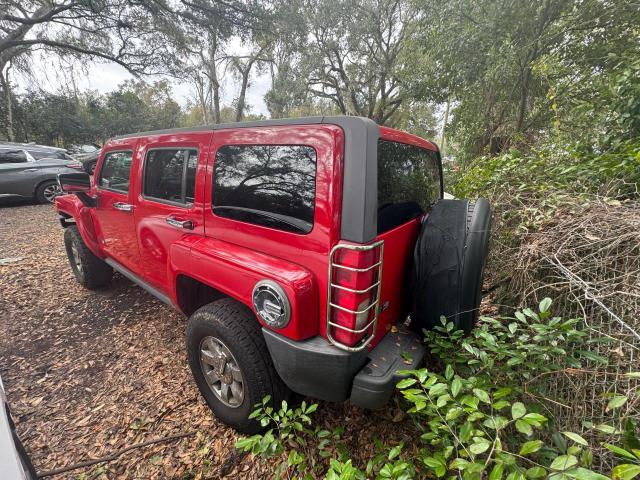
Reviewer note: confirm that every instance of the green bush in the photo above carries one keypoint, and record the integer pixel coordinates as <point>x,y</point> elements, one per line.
<point>480,410</point>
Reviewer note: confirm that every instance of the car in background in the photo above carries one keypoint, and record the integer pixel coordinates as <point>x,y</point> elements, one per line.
<point>82,149</point>
<point>14,461</point>
<point>88,160</point>
<point>31,170</point>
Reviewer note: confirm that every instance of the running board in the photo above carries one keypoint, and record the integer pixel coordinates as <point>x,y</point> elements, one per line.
<point>138,281</point>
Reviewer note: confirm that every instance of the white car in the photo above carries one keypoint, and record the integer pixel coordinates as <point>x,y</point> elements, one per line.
<point>14,461</point>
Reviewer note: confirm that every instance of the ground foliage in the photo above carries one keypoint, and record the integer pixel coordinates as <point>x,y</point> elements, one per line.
<point>480,409</point>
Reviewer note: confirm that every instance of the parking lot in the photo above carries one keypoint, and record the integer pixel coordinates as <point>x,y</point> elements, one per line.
<point>90,374</point>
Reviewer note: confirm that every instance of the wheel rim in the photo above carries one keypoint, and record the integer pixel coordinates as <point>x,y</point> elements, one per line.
<point>76,258</point>
<point>50,192</point>
<point>221,372</point>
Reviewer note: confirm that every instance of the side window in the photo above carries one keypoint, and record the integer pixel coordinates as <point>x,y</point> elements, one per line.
<point>170,175</point>
<point>115,172</point>
<point>268,185</point>
<point>408,182</point>
<point>12,156</point>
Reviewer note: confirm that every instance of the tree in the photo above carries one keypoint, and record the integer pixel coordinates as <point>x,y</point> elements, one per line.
<point>353,55</point>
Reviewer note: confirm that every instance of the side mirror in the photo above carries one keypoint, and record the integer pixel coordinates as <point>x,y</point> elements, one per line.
<point>74,182</point>
<point>78,183</point>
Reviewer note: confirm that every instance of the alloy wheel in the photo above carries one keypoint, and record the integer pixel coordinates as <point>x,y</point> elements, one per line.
<point>221,372</point>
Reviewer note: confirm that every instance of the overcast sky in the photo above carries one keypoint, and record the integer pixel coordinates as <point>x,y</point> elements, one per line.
<point>105,77</point>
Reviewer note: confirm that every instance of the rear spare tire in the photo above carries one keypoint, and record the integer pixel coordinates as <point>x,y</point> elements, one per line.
<point>449,260</point>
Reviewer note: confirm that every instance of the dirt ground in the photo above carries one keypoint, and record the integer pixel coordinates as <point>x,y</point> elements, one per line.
<point>89,374</point>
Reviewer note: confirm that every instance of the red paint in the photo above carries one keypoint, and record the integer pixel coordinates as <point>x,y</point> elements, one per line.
<point>232,256</point>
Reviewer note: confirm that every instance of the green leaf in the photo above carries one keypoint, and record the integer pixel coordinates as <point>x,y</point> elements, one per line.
<point>524,427</point>
<point>545,304</point>
<point>604,428</point>
<point>480,446</point>
<point>536,472</point>
<point>496,473</point>
<point>616,402</point>
<point>576,438</point>
<point>456,386</point>
<point>632,375</point>
<point>585,474</point>
<point>626,471</point>
<point>621,452</point>
<point>481,395</point>
<point>564,462</point>
<point>448,372</point>
<point>407,382</point>
<point>518,410</point>
<point>513,327</point>
<point>531,447</point>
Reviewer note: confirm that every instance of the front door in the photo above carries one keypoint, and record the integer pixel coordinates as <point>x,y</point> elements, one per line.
<point>114,211</point>
<point>169,200</point>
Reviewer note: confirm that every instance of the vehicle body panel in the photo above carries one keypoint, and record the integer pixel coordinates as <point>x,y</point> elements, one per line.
<point>155,235</point>
<point>115,228</point>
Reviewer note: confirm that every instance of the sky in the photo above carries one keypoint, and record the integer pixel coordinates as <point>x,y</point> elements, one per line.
<point>105,77</point>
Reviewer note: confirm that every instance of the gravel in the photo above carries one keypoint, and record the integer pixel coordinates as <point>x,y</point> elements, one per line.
<point>90,373</point>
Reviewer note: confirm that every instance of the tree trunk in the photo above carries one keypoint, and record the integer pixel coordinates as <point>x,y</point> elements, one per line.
<point>524,95</point>
<point>443,138</point>
<point>6,88</point>
<point>244,72</point>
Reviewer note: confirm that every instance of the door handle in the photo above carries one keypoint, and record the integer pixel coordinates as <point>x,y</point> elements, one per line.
<point>123,207</point>
<point>174,222</point>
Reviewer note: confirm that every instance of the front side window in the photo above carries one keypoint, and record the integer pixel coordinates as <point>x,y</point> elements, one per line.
<point>408,182</point>
<point>116,168</point>
<point>12,156</point>
<point>170,175</point>
<point>268,185</point>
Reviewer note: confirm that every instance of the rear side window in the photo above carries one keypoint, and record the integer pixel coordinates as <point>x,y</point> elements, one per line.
<point>12,156</point>
<point>170,175</point>
<point>41,154</point>
<point>116,168</point>
<point>268,185</point>
<point>408,182</point>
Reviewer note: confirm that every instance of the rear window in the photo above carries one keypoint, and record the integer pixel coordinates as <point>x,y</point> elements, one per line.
<point>268,185</point>
<point>41,154</point>
<point>408,182</point>
<point>169,175</point>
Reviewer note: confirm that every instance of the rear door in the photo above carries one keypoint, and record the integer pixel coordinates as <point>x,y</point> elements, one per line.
<point>169,199</point>
<point>17,173</point>
<point>114,212</point>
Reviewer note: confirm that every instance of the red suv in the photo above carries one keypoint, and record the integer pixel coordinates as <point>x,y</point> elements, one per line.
<point>305,252</point>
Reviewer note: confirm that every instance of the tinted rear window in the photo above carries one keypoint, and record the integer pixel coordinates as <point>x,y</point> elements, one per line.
<point>269,185</point>
<point>169,174</point>
<point>408,182</point>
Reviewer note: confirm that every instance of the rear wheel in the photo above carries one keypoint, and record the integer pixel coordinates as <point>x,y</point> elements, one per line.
<point>48,191</point>
<point>231,364</point>
<point>90,271</point>
<point>450,257</point>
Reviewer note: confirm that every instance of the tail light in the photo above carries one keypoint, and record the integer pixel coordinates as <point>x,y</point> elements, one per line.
<point>355,272</point>
<point>74,165</point>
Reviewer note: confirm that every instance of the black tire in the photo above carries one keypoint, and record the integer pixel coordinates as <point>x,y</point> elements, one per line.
<point>42,192</point>
<point>90,271</point>
<point>237,328</point>
<point>449,260</point>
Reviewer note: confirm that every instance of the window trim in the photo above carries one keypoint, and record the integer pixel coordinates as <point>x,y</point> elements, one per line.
<point>115,190</point>
<point>183,184</point>
<point>315,186</point>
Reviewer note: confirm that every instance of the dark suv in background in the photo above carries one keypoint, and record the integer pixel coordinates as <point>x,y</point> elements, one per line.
<point>30,170</point>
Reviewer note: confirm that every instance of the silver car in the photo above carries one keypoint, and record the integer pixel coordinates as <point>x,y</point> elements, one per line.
<point>14,462</point>
<point>31,170</point>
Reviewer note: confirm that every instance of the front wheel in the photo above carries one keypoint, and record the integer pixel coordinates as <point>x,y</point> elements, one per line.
<point>231,364</point>
<point>90,271</point>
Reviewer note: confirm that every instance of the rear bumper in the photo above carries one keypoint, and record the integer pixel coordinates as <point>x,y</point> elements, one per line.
<point>317,369</point>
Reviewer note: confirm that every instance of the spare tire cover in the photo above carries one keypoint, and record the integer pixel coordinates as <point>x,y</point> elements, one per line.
<point>449,260</point>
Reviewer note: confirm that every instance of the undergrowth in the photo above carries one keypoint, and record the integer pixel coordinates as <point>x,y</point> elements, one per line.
<point>481,414</point>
